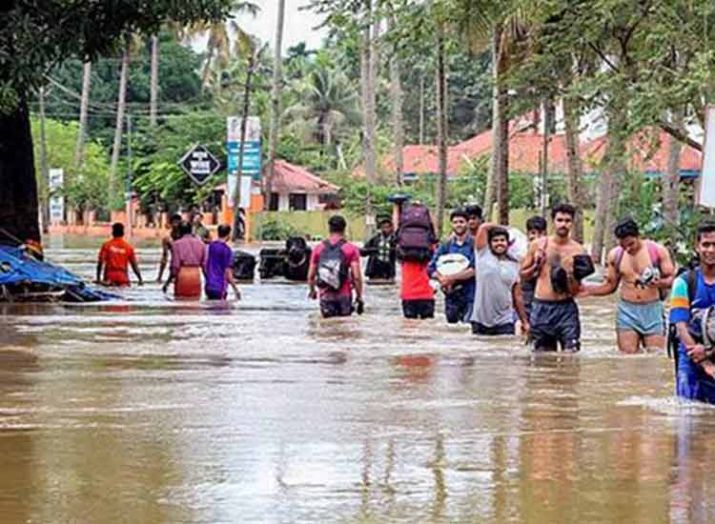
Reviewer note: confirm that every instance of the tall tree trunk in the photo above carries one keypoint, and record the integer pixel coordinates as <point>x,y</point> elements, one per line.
<point>544,160</point>
<point>121,108</point>
<point>18,193</point>
<point>671,181</point>
<point>83,110</point>
<point>609,183</point>
<point>45,172</point>
<point>441,81</point>
<point>210,47</point>
<point>368,98</point>
<point>154,80</point>
<point>421,137</point>
<point>398,127</point>
<point>502,174</point>
<point>497,119</point>
<point>276,89</point>
<point>367,78</point>
<point>574,173</point>
<point>235,234</point>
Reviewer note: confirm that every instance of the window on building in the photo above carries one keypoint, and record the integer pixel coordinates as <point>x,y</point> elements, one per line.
<point>273,202</point>
<point>298,201</point>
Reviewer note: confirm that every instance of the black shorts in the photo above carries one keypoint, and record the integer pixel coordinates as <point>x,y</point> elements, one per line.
<point>500,329</point>
<point>336,307</point>
<point>418,308</point>
<point>555,323</point>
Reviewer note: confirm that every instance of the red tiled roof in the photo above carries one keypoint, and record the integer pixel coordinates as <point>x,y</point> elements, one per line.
<point>290,178</point>
<point>648,153</point>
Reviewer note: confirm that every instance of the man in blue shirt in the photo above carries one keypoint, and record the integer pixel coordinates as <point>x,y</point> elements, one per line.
<point>453,267</point>
<point>694,292</point>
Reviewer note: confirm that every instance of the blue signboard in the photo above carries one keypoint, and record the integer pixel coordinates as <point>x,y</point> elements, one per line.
<point>251,158</point>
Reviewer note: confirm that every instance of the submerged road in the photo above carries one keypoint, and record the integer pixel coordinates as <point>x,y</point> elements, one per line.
<point>151,410</point>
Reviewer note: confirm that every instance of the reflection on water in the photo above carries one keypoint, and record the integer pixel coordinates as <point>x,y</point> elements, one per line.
<point>151,410</point>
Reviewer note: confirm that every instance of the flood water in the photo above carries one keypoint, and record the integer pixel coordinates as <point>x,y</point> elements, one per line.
<point>150,410</point>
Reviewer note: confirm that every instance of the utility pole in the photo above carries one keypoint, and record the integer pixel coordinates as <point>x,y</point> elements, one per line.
<point>130,175</point>
<point>45,213</point>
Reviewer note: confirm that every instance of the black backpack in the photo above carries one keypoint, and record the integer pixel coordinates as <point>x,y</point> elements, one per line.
<point>415,235</point>
<point>691,278</point>
<point>332,266</point>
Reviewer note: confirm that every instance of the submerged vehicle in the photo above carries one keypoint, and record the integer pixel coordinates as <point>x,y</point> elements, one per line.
<point>291,262</point>
<point>24,278</point>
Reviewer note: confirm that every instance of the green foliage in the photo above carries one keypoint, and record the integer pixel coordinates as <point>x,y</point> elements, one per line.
<point>157,176</point>
<point>34,36</point>
<point>86,187</point>
<point>277,229</point>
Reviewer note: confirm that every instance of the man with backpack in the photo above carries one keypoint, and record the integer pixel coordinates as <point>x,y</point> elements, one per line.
<point>691,304</point>
<point>452,266</point>
<point>644,270</point>
<point>415,244</point>
<point>335,271</point>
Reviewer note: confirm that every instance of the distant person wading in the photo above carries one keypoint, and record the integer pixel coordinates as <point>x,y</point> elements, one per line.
<point>334,273</point>
<point>188,255</point>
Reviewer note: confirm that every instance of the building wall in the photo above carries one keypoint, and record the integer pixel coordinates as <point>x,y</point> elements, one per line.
<point>312,202</point>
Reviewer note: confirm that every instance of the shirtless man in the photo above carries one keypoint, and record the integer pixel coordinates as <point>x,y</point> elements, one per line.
<point>554,313</point>
<point>166,242</point>
<point>644,269</point>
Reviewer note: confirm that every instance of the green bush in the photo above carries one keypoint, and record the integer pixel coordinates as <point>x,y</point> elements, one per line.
<point>275,229</point>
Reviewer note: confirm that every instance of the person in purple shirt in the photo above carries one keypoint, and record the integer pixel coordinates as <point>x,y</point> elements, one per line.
<point>218,267</point>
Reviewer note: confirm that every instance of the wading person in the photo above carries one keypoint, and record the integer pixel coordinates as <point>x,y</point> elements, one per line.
<point>474,220</point>
<point>415,244</point>
<point>200,230</point>
<point>558,262</point>
<point>380,250</point>
<point>115,257</point>
<point>218,268</point>
<point>691,312</point>
<point>498,293</point>
<point>335,271</point>
<point>644,271</point>
<point>166,242</point>
<point>535,229</point>
<point>188,255</point>
<point>452,265</point>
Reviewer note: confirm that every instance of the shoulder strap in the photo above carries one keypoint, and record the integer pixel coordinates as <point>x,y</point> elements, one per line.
<point>653,253</point>
<point>692,280</point>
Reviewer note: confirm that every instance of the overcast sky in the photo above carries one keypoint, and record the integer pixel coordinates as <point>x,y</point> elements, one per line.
<point>299,24</point>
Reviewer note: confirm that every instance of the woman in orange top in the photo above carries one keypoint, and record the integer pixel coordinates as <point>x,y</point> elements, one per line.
<point>115,256</point>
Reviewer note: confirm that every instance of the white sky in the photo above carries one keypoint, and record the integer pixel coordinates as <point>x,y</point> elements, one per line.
<point>299,24</point>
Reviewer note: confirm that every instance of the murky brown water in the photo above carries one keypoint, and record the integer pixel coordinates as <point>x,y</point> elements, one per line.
<point>157,411</point>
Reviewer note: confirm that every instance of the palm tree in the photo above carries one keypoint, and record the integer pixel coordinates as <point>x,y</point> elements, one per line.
<point>218,47</point>
<point>121,108</point>
<point>83,110</point>
<point>328,106</point>
<point>154,80</point>
<point>275,103</point>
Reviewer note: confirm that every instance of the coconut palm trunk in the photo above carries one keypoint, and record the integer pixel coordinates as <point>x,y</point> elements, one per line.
<point>121,108</point>
<point>441,84</point>
<point>367,84</point>
<point>154,80</point>
<point>398,126</point>
<point>236,230</point>
<point>497,120</point>
<point>276,90</point>
<point>83,110</point>
<point>45,199</point>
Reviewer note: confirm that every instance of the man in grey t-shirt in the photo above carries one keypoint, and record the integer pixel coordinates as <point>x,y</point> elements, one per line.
<point>498,292</point>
